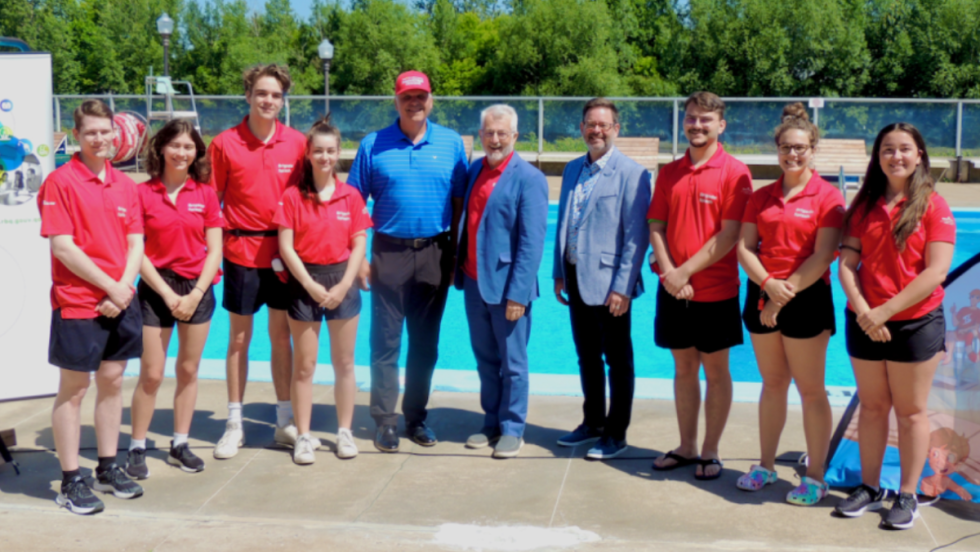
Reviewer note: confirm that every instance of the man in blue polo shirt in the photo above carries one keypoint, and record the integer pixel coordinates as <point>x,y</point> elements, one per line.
<point>416,172</point>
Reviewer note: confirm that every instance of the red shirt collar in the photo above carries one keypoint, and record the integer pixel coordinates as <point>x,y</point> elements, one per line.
<point>499,169</point>
<point>717,159</point>
<point>247,137</point>
<point>82,171</point>
<point>811,188</point>
<point>158,185</point>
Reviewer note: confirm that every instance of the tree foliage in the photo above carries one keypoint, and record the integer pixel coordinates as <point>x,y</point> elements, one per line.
<point>884,48</point>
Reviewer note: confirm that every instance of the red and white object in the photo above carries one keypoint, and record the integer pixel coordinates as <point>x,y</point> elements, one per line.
<point>130,135</point>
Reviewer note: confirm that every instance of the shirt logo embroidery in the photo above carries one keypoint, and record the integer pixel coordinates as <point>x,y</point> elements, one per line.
<point>948,220</point>
<point>46,203</point>
<point>707,198</point>
<point>285,168</point>
<point>803,213</point>
<point>195,207</point>
<point>121,212</point>
<point>343,215</point>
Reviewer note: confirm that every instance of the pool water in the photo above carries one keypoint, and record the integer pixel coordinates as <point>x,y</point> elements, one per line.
<point>551,349</point>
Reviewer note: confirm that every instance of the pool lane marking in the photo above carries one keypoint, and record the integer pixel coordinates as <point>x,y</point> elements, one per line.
<point>568,468</point>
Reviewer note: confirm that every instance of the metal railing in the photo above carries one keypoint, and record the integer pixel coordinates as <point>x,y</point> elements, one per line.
<point>551,124</point>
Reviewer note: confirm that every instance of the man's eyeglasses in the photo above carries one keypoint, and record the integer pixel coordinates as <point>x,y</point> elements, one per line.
<point>604,127</point>
<point>798,149</point>
<point>493,134</point>
<point>705,121</point>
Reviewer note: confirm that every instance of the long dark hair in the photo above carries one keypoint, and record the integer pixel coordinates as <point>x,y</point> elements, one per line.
<point>918,190</point>
<point>321,127</point>
<point>200,169</point>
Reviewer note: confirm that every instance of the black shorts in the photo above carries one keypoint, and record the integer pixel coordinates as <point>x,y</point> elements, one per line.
<point>155,311</point>
<point>247,289</point>
<point>82,344</point>
<point>808,315</point>
<point>914,340</point>
<point>303,308</point>
<point>709,327</point>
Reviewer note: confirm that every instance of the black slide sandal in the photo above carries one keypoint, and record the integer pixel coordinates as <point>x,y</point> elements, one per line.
<point>679,460</point>
<point>709,462</point>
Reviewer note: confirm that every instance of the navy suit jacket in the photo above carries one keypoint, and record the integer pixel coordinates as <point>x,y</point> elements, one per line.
<point>613,232</point>
<point>511,234</point>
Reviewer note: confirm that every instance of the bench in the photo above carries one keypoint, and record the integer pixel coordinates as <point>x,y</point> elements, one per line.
<point>642,150</point>
<point>843,158</point>
<point>468,146</point>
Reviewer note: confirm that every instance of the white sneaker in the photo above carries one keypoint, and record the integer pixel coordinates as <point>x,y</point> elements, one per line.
<point>303,450</point>
<point>345,444</point>
<point>286,436</point>
<point>229,443</point>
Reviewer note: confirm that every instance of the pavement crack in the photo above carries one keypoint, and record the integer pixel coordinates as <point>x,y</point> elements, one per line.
<point>568,468</point>
<point>383,489</point>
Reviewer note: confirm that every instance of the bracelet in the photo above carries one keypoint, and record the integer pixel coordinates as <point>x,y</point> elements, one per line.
<point>201,290</point>
<point>768,277</point>
<point>762,291</point>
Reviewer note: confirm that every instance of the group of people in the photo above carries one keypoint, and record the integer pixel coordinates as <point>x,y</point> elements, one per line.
<point>263,207</point>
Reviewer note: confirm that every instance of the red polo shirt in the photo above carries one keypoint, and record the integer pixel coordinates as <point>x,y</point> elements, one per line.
<point>884,271</point>
<point>175,233</point>
<point>98,216</point>
<point>322,232</point>
<point>485,183</point>
<point>252,175</point>
<point>788,229</point>
<point>693,202</point>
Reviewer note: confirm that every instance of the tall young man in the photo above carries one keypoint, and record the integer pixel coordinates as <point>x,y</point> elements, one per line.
<point>91,215</point>
<point>695,218</point>
<point>252,164</point>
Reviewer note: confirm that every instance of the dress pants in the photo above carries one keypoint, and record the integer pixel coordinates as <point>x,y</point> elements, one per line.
<point>500,347</point>
<point>597,333</point>
<point>408,288</point>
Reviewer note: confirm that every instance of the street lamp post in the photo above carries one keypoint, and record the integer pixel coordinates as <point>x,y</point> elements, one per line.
<point>326,54</point>
<point>165,26</point>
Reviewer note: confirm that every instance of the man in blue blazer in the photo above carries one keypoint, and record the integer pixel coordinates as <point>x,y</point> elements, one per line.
<point>599,248</point>
<point>501,242</point>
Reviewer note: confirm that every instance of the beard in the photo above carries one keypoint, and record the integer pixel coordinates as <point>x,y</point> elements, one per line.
<point>698,139</point>
<point>498,155</point>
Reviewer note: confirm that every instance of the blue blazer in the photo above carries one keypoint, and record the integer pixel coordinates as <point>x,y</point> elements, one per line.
<point>510,238</point>
<point>613,233</point>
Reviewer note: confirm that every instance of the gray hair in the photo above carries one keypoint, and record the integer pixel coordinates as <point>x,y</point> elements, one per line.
<point>499,110</point>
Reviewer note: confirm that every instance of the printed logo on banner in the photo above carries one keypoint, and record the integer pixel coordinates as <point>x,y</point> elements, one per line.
<point>6,105</point>
<point>43,150</point>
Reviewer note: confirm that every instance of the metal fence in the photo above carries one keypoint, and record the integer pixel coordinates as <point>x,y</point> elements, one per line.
<point>550,124</point>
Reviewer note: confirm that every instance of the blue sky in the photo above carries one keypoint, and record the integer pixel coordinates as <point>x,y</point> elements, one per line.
<point>301,7</point>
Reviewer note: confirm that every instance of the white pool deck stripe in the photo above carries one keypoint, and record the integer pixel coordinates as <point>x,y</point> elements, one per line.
<point>467,381</point>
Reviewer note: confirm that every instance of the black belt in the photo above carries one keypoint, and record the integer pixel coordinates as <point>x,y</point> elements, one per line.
<point>414,243</point>
<point>253,233</point>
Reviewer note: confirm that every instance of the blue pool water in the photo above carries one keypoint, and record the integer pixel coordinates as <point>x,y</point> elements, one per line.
<point>551,348</point>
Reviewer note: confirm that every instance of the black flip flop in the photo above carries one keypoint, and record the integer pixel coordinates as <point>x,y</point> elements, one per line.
<point>709,462</point>
<point>679,460</point>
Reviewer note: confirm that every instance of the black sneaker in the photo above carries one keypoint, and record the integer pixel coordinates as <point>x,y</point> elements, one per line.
<point>136,464</point>
<point>78,498</point>
<point>582,435</point>
<point>113,480</point>
<point>863,498</point>
<point>903,513</point>
<point>182,457</point>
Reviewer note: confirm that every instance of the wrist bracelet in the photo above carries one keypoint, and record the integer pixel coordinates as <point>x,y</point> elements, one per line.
<point>762,292</point>
<point>201,290</point>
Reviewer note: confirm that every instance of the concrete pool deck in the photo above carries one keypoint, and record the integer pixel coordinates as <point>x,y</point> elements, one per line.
<point>260,500</point>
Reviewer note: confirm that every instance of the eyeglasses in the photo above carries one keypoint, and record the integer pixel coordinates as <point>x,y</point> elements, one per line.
<point>495,133</point>
<point>798,149</point>
<point>691,121</point>
<point>604,127</point>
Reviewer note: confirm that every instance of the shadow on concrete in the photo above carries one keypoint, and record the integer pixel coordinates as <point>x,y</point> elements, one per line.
<point>40,475</point>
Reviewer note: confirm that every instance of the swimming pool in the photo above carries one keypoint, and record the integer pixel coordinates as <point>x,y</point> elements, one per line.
<point>551,349</point>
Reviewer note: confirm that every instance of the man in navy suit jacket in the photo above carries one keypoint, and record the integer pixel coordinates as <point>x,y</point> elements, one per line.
<point>599,248</point>
<point>501,242</point>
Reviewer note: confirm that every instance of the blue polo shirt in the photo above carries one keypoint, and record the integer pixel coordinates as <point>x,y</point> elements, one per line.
<point>412,184</point>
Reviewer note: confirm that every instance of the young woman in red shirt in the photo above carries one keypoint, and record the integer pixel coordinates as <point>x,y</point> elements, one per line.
<point>322,239</point>
<point>183,224</point>
<point>898,246</point>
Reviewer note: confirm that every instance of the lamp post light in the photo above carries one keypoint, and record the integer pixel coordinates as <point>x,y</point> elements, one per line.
<point>326,54</point>
<point>165,26</point>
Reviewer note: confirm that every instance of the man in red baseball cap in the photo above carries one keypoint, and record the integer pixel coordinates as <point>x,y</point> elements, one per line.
<point>415,170</point>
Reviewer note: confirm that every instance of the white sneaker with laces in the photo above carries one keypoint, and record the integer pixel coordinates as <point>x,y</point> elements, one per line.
<point>303,451</point>
<point>229,443</point>
<point>346,448</point>
<point>286,436</point>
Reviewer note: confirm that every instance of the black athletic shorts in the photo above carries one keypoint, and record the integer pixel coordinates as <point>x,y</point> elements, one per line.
<point>247,289</point>
<point>807,315</point>
<point>709,327</point>
<point>303,308</point>
<point>81,344</point>
<point>155,310</point>
<point>912,340</point>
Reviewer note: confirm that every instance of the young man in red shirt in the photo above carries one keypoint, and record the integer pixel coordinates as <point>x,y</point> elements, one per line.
<point>252,164</point>
<point>90,213</point>
<point>695,218</point>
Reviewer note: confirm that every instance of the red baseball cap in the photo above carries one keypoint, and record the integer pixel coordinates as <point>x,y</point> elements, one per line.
<point>412,80</point>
